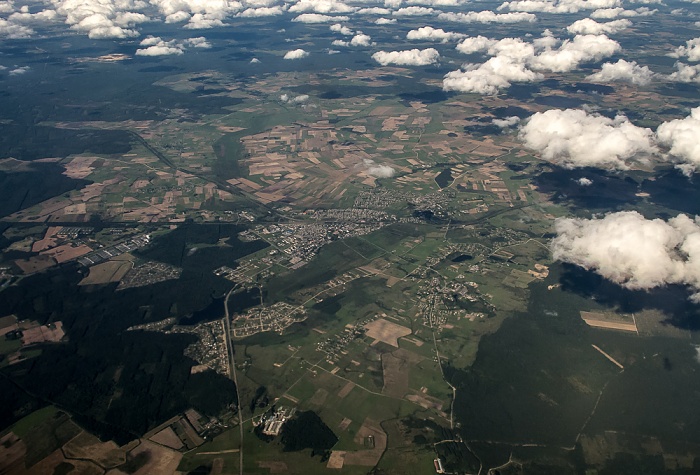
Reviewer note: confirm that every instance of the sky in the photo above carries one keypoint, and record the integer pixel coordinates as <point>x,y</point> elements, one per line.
<point>484,48</point>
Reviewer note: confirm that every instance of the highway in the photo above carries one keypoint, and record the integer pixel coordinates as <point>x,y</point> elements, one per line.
<point>232,371</point>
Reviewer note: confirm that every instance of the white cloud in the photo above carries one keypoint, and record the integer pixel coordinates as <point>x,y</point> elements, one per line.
<point>414,11</point>
<point>488,78</point>
<point>385,21</point>
<point>259,3</point>
<point>588,26</point>
<point>632,251</point>
<point>475,44</point>
<point>413,57</point>
<point>255,61</point>
<point>686,73</point>
<point>296,54</point>
<point>433,34</point>
<point>318,18</point>
<point>583,181</point>
<point>14,31</point>
<point>156,46</point>
<point>574,52</point>
<point>573,138</point>
<point>512,48</point>
<point>23,16</point>
<point>488,17</point>
<point>360,39</point>
<point>198,42</point>
<point>607,13</point>
<point>207,10</point>
<point>202,21</point>
<point>682,136</point>
<point>611,13</point>
<point>261,12</point>
<point>19,71</point>
<point>624,71</point>
<point>507,122</point>
<point>159,50</point>
<point>320,6</point>
<point>177,17</point>
<point>130,19</point>
<point>557,6</point>
<point>373,11</point>
<point>378,171</point>
<point>343,30</point>
<point>294,100</point>
<point>7,6</point>
<point>691,50</point>
<point>439,3</point>
<point>515,60</point>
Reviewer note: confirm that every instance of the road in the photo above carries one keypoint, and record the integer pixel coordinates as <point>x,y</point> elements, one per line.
<point>232,371</point>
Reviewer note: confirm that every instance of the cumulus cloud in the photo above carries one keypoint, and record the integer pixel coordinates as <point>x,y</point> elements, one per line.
<point>373,11</point>
<point>624,71</point>
<point>691,50</point>
<point>198,42</point>
<point>359,39</point>
<point>296,54</point>
<point>294,100</point>
<point>571,53</point>
<point>573,138</point>
<point>321,6</point>
<point>255,61</point>
<point>611,13</point>
<point>385,21</point>
<point>412,57</point>
<point>681,136</point>
<point>488,17</point>
<point>488,78</point>
<point>101,19</point>
<point>686,73</point>
<point>177,17</point>
<point>439,3</point>
<point>515,60</point>
<point>318,18</point>
<point>557,6</point>
<point>14,31</point>
<point>201,21</point>
<point>513,48</point>
<point>507,122</point>
<point>23,16</point>
<point>414,11</point>
<point>588,26</point>
<point>156,46</point>
<point>583,181</point>
<point>433,34</point>
<point>19,71</point>
<point>261,12</point>
<point>343,30</point>
<point>378,171</point>
<point>632,251</point>
<point>199,14</point>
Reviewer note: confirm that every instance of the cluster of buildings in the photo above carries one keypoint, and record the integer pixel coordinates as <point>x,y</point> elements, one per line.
<point>301,241</point>
<point>111,252</point>
<point>273,420</point>
<point>210,349</point>
<point>276,317</point>
<point>334,346</point>
<point>149,273</point>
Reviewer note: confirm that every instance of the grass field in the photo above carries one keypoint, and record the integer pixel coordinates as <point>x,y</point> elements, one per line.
<point>22,427</point>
